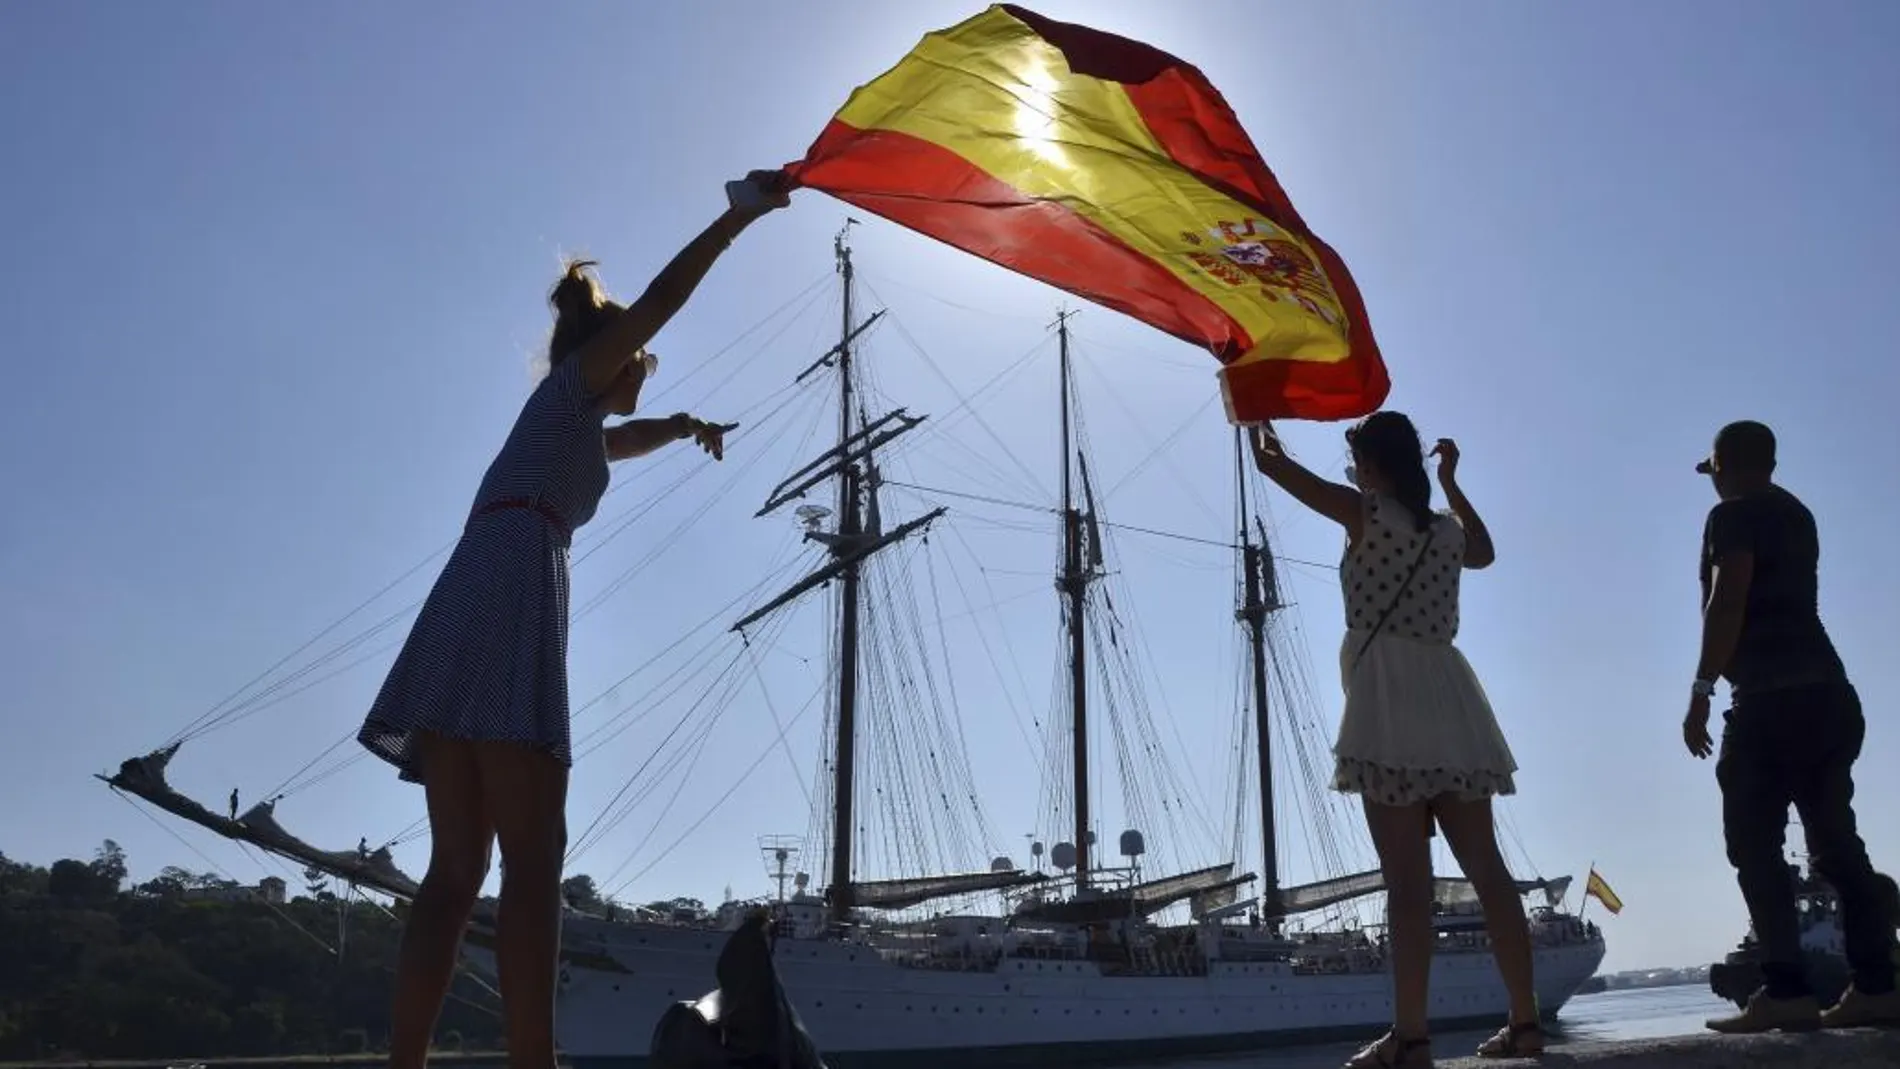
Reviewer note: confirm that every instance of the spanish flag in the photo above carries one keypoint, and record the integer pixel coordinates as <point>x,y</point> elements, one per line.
<point>1114,171</point>
<point>1596,888</point>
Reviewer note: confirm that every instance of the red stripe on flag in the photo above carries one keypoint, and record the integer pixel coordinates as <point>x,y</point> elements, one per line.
<point>1199,131</point>
<point>946,197</point>
<point>1302,389</point>
<point>1191,121</point>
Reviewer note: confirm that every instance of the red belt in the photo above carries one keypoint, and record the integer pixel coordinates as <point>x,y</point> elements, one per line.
<point>547,511</point>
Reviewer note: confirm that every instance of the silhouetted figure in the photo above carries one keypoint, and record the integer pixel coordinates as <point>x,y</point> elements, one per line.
<point>475,707</point>
<point>1792,733</point>
<point>234,801</point>
<point>746,1022</point>
<point>1418,741</point>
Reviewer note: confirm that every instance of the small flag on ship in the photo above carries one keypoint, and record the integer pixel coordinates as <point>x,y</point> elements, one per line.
<point>1117,172</point>
<point>1595,887</point>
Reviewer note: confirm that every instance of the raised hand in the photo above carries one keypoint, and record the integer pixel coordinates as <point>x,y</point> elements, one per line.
<point>758,193</point>
<point>1266,445</point>
<point>1447,453</point>
<point>711,436</point>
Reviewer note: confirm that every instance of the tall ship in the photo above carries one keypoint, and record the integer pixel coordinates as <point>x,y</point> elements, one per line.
<point>924,941</point>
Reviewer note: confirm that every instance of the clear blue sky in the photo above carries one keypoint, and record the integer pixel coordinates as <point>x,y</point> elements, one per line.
<point>272,280</point>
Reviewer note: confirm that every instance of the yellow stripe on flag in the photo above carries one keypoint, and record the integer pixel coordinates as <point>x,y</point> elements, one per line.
<point>995,93</point>
<point>1598,889</point>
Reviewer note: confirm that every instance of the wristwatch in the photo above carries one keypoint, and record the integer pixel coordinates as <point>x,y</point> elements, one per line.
<point>1703,688</point>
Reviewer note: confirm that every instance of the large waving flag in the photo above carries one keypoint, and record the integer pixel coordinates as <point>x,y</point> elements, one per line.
<point>1114,171</point>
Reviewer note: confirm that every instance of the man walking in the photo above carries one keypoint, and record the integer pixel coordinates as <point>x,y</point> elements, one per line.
<point>1791,735</point>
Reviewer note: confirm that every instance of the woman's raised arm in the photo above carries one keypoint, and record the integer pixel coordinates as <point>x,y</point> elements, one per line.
<point>608,352</point>
<point>1335,501</point>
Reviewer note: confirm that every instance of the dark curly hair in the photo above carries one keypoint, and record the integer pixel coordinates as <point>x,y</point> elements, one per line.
<point>580,310</point>
<point>1391,443</point>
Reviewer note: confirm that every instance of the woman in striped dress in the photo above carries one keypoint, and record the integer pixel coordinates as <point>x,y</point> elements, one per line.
<point>475,707</point>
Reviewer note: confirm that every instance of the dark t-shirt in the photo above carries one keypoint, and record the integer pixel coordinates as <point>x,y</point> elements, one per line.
<point>1783,643</point>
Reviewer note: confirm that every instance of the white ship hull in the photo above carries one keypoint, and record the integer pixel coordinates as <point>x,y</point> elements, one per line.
<point>862,1009</point>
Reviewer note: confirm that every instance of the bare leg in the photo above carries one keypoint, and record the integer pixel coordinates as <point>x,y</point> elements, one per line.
<point>1401,836</point>
<point>461,841</point>
<point>527,791</point>
<point>1473,839</point>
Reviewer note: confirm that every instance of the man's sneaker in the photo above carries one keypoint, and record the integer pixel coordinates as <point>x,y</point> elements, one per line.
<point>1765,1014</point>
<point>1857,1010</point>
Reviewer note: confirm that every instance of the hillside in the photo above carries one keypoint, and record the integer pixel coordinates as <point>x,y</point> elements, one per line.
<point>189,965</point>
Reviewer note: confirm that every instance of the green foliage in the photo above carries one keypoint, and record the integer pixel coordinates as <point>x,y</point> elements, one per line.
<point>95,968</point>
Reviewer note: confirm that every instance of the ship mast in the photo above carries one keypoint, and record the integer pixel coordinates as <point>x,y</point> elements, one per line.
<point>851,528</point>
<point>1073,583</point>
<point>851,544</point>
<point>1259,596</point>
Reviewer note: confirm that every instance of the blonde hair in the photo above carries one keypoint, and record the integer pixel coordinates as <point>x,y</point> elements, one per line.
<point>581,308</point>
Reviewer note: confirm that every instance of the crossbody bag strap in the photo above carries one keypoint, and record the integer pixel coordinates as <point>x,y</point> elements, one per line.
<point>1396,598</point>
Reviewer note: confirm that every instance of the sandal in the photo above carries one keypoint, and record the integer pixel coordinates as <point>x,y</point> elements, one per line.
<point>1390,1051</point>
<point>1524,1040</point>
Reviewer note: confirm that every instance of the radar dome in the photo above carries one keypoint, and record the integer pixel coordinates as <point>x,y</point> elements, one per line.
<point>1132,844</point>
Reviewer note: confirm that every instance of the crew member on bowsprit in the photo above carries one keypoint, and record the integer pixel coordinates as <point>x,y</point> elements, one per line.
<point>1791,735</point>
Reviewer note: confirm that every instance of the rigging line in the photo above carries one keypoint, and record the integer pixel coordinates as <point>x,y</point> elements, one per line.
<point>1158,452</point>
<point>973,497</point>
<point>282,788</point>
<point>943,640</point>
<point>714,808</point>
<point>593,740</point>
<point>214,710</point>
<point>672,538</point>
<point>707,361</point>
<point>950,749</point>
<point>945,420</point>
<point>634,513</point>
<point>703,736</point>
<point>937,432</point>
<point>1022,680</point>
<point>765,693</point>
<point>581,844</point>
<point>1186,483</point>
<point>931,363</point>
<point>620,723</point>
<point>771,576</point>
<point>689,753</point>
<point>1148,356</point>
<point>890,281</point>
<point>193,847</point>
<point>697,749</point>
<point>256,704</point>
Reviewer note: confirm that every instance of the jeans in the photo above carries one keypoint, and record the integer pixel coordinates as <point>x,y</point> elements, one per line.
<point>1797,746</point>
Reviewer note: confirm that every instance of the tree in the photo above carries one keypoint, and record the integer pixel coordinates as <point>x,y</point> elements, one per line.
<point>76,882</point>
<point>171,882</point>
<point>581,893</point>
<point>108,864</point>
<point>92,974</point>
<point>19,878</point>
<point>317,883</point>
<point>678,905</point>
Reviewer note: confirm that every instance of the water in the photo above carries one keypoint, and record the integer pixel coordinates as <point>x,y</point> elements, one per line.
<point>1649,1013</point>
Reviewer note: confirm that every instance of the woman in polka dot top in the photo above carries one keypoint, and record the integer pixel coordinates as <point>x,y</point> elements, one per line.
<point>1417,740</point>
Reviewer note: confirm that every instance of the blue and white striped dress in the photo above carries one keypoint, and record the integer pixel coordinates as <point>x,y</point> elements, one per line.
<point>487,657</point>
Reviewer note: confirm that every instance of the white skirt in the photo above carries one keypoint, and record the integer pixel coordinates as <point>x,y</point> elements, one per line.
<point>1417,725</point>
